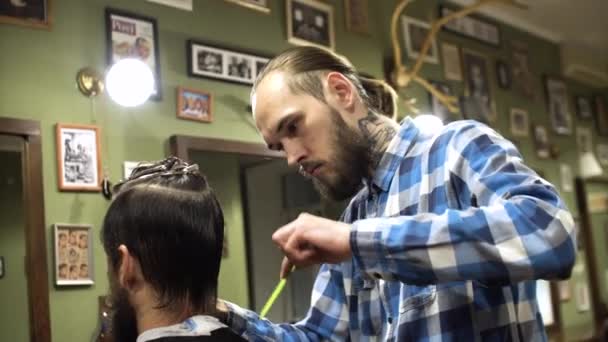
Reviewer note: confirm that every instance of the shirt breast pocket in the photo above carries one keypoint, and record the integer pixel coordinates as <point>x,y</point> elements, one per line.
<point>416,302</point>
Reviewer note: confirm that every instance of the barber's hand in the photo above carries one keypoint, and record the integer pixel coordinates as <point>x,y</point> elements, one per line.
<point>310,240</point>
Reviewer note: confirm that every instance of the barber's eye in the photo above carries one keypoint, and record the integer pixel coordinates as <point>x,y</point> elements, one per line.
<point>292,128</point>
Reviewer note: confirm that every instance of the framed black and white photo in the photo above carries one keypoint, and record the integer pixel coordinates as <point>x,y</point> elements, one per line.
<point>185,5</point>
<point>472,27</point>
<point>584,108</point>
<point>438,109</point>
<point>414,34</point>
<point>78,157</point>
<point>581,292</point>
<point>310,22</point>
<point>558,105</point>
<point>131,35</point>
<point>521,72</point>
<point>73,262</point>
<point>478,87</point>
<point>30,13</point>
<point>503,74</point>
<point>258,5</point>
<point>216,62</point>
<point>584,139</point>
<point>601,115</point>
<point>520,126</point>
<point>357,16</point>
<point>541,141</point>
<point>602,156</point>
<point>452,65</point>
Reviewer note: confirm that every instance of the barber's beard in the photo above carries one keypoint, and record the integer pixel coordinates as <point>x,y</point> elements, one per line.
<point>351,161</point>
<point>124,320</point>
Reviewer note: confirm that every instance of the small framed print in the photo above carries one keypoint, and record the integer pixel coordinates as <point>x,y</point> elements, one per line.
<point>478,86</point>
<point>584,108</point>
<point>601,115</point>
<point>131,35</point>
<point>30,13</point>
<point>584,139</point>
<point>73,244</point>
<point>519,122</point>
<point>194,105</point>
<point>185,5</point>
<point>541,140</point>
<point>472,27</point>
<point>310,22</point>
<point>452,66</point>
<point>414,34</point>
<point>438,109</point>
<point>566,177</point>
<point>78,157</point>
<point>581,291</point>
<point>564,290</point>
<point>216,62</point>
<point>128,167</point>
<point>503,74</point>
<point>258,5</point>
<point>357,16</point>
<point>558,105</point>
<point>602,154</point>
<point>521,72</point>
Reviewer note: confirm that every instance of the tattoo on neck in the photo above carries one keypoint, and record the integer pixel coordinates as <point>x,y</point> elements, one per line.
<point>379,133</point>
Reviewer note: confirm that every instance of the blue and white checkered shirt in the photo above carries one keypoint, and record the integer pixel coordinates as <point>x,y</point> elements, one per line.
<point>447,239</point>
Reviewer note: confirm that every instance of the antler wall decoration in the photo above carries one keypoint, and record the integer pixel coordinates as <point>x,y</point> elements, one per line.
<point>402,76</point>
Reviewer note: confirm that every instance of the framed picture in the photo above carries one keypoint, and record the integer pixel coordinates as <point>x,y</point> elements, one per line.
<point>602,154</point>
<point>566,177</point>
<point>558,105</point>
<point>128,167</point>
<point>357,16</point>
<point>523,79</point>
<point>132,35</point>
<point>584,109</point>
<point>452,66</point>
<point>310,22</point>
<point>215,62</point>
<point>30,13</point>
<point>541,141</point>
<point>503,74</point>
<point>472,27</point>
<point>185,5</point>
<point>194,105</point>
<point>73,244</point>
<point>519,122</point>
<point>564,290</point>
<point>478,87</point>
<point>258,5</point>
<point>601,115</point>
<point>2,267</point>
<point>414,34</point>
<point>584,139</point>
<point>438,109</point>
<point>78,157</point>
<point>544,298</point>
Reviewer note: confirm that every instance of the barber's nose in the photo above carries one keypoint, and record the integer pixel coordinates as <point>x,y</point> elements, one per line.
<point>295,153</point>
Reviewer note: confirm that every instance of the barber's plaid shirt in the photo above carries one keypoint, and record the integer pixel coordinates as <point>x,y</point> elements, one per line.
<point>447,240</point>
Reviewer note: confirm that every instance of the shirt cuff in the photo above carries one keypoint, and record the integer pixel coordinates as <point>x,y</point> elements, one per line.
<point>369,254</point>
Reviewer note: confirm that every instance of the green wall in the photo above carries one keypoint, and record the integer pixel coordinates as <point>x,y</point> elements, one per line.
<point>13,286</point>
<point>38,70</point>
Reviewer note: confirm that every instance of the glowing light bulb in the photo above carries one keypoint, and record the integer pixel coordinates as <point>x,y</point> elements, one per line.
<point>428,124</point>
<point>130,82</point>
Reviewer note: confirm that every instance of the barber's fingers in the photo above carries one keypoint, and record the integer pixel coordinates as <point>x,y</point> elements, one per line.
<point>286,266</point>
<point>281,235</point>
<point>299,251</point>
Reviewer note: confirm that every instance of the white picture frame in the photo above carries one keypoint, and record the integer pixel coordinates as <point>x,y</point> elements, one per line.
<point>558,105</point>
<point>414,35</point>
<point>78,157</point>
<point>520,125</point>
<point>602,154</point>
<point>258,5</point>
<point>185,5</point>
<point>128,167</point>
<point>452,63</point>
<point>310,22</point>
<point>73,247</point>
<point>565,172</point>
<point>581,291</point>
<point>584,139</point>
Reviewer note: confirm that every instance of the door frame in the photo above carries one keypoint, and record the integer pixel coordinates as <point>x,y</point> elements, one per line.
<point>35,232</point>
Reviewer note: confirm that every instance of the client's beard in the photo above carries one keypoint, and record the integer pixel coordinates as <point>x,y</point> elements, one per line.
<point>124,321</point>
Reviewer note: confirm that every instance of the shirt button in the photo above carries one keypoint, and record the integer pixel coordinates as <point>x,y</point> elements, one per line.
<point>390,320</point>
<point>377,275</point>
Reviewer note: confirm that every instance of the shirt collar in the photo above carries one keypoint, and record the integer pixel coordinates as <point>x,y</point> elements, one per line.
<point>394,154</point>
<point>194,326</point>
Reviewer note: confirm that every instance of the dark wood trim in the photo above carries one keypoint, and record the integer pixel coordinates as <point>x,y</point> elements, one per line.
<point>180,146</point>
<point>35,234</point>
<point>555,331</point>
<point>600,311</point>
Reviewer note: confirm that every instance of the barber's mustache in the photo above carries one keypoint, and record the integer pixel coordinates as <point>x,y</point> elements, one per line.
<point>306,167</point>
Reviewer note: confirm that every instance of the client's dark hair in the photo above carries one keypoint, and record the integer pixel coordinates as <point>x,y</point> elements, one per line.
<point>169,218</point>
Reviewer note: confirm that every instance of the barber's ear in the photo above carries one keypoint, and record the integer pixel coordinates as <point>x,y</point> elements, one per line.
<point>129,272</point>
<point>340,90</point>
